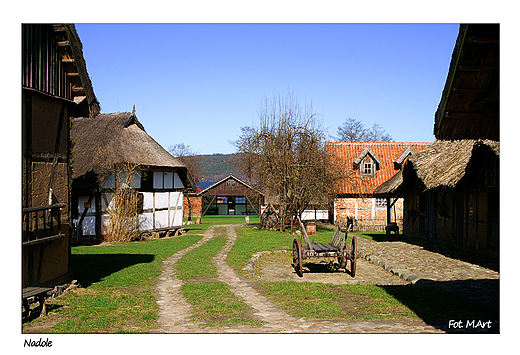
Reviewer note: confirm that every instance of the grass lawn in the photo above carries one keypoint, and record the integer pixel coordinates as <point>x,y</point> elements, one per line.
<point>317,301</point>
<point>215,305</point>
<point>197,263</point>
<point>117,296</point>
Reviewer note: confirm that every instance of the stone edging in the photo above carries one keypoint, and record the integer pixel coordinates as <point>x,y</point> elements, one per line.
<point>250,264</point>
<point>404,274</point>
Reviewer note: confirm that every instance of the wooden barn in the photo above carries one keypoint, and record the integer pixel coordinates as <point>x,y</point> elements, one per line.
<point>55,87</point>
<point>102,145</point>
<point>231,196</point>
<point>451,189</point>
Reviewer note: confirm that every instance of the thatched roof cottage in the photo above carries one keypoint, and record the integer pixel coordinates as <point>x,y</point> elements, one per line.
<point>451,189</point>
<point>106,142</point>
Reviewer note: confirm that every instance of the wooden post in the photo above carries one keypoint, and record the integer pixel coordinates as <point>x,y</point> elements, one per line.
<point>388,210</point>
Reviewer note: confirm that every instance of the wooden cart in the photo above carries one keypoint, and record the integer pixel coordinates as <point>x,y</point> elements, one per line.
<point>337,248</point>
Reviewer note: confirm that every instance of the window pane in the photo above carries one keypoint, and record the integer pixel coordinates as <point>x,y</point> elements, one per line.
<point>168,180</point>
<point>177,181</point>
<point>240,200</point>
<point>157,180</point>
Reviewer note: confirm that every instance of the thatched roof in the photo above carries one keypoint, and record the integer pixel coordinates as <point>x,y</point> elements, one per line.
<point>445,163</point>
<point>122,137</point>
<point>390,186</point>
<point>469,105</point>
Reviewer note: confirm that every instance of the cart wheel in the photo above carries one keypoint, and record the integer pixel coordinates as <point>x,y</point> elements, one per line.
<point>353,256</point>
<point>297,257</point>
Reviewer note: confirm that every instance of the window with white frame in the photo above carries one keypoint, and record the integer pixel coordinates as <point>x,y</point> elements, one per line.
<point>380,202</point>
<point>367,167</point>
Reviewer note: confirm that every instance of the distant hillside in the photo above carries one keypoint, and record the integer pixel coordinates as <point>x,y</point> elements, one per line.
<point>218,166</point>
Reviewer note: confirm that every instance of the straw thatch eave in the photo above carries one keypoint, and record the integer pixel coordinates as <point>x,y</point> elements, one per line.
<point>391,186</point>
<point>123,138</point>
<point>446,163</point>
<point>469,105</point>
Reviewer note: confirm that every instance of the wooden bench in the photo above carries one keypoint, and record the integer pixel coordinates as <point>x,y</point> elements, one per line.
<point>35,291</point>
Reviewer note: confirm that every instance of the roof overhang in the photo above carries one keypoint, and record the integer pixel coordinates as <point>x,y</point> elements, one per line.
<point>469,105</point>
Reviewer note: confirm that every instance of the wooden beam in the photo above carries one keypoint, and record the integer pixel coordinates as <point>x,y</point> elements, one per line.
<point>209,205</point>
<point>461,115</point>
<point>67,60</point>
<point>483,40</point>
<point>469,89</point>
<point>73,74</point>
<point>486,100</point>
<point>63,44</point>
<point>476,68</point>
<point>78,90</point>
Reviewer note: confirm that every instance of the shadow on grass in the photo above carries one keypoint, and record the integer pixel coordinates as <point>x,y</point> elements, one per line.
<point>451,251</point>
<point>461,306</point>
<point>91,268</point>
<point>35,312</point>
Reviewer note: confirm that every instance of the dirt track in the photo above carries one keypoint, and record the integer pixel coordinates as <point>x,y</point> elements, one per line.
<point>277,267</point>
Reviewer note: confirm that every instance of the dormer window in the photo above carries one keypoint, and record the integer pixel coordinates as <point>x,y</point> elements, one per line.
<point>367,163</point>
<point>367,167</point>
<point>398,164</point>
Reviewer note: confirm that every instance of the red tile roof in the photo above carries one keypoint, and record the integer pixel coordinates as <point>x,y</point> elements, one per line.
<point>387,152</point>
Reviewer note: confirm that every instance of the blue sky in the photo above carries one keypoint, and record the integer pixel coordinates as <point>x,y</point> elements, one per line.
<point>199,83</point>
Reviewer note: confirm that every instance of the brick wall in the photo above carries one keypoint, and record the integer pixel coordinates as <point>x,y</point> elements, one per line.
<point>367,215</point>
<point>196,206</point>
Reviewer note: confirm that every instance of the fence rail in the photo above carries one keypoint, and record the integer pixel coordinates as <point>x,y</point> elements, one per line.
<point>41,223</point>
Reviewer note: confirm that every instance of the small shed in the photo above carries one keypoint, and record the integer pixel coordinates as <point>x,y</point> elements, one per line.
<point>231,196</point>
<point>160,179</point>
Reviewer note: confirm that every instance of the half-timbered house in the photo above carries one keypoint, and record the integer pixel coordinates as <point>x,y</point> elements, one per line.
<point>103,143</point>
<point>367,165</point>
<point>55,87</point>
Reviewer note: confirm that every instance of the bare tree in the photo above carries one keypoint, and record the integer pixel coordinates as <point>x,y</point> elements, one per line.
<point>193,162</point>
<point>354,131</point>
<point>285,156</point>
<point>123,200</point>
<point>190,158</point>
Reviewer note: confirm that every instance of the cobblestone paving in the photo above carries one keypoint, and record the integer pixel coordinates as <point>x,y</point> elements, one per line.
<point>415,262</point>
<point>175,312</point>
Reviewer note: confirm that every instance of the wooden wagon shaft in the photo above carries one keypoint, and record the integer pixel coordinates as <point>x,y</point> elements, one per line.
<point>322,254</point>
